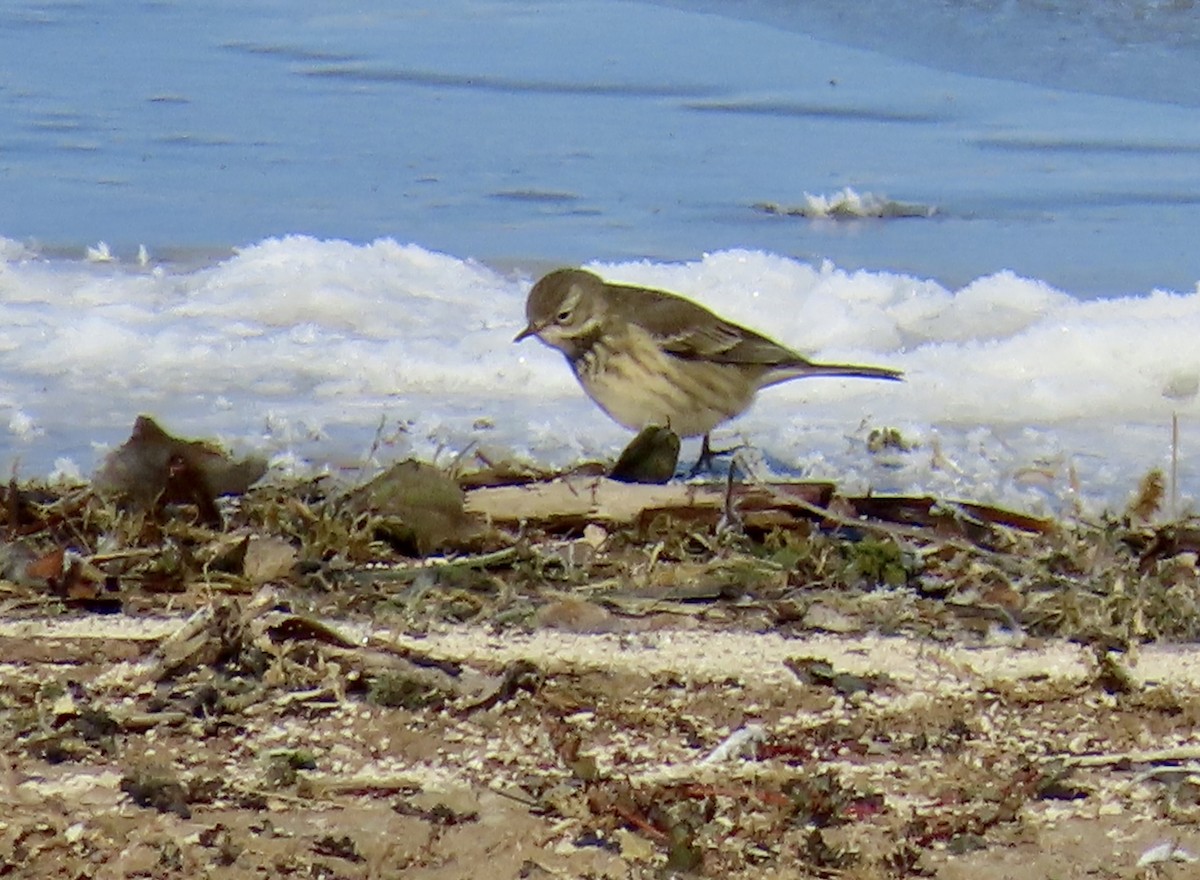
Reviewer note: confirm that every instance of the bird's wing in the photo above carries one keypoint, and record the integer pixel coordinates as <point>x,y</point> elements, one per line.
<point>689,331</point>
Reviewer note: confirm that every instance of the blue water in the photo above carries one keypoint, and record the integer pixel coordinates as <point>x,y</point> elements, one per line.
<point>1056,139</point>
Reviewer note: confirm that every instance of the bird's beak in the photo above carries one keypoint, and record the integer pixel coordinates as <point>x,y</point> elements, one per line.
<point>531,330</point>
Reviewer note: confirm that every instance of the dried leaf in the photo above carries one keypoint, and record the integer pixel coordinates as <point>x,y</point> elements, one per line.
<point>268,559</point>
<point>418,507</point>
<point>152,467</point>
<point>1149,498</point>
<point>650,458</point>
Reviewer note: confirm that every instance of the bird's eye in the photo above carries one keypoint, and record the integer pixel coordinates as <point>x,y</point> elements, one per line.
<point>563,315</point>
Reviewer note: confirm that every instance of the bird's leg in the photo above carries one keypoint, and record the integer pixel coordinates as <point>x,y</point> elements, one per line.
<point>707,455</point>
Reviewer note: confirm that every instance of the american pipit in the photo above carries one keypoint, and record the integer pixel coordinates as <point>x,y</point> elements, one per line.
<point>648,357</point>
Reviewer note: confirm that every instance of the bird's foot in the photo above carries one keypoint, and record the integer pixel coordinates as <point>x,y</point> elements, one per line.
<point>704,464</point>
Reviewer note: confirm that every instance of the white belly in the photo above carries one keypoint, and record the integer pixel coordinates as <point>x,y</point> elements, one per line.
<point>654,388</point>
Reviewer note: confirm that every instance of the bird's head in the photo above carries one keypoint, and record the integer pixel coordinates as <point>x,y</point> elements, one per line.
<point>563,308</point>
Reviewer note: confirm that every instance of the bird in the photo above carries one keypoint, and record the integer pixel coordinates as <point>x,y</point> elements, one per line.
<point>650,357</point>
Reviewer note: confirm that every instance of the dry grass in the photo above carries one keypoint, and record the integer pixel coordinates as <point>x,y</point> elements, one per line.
<point>411,677</point>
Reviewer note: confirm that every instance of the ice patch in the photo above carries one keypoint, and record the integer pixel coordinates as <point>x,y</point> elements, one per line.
<point>302,347</point>
<point>848,204</point>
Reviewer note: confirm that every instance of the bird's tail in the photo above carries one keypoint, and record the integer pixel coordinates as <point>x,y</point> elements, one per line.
<point>859,371</point>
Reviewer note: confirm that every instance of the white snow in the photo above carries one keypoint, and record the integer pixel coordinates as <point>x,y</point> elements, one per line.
<point>306,349</point>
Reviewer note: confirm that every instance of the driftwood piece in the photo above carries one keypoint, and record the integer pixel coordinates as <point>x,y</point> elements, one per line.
<point>1171,754</point>
<point>61,650</point>
<point>189,646</point>
<point>597,499</point>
